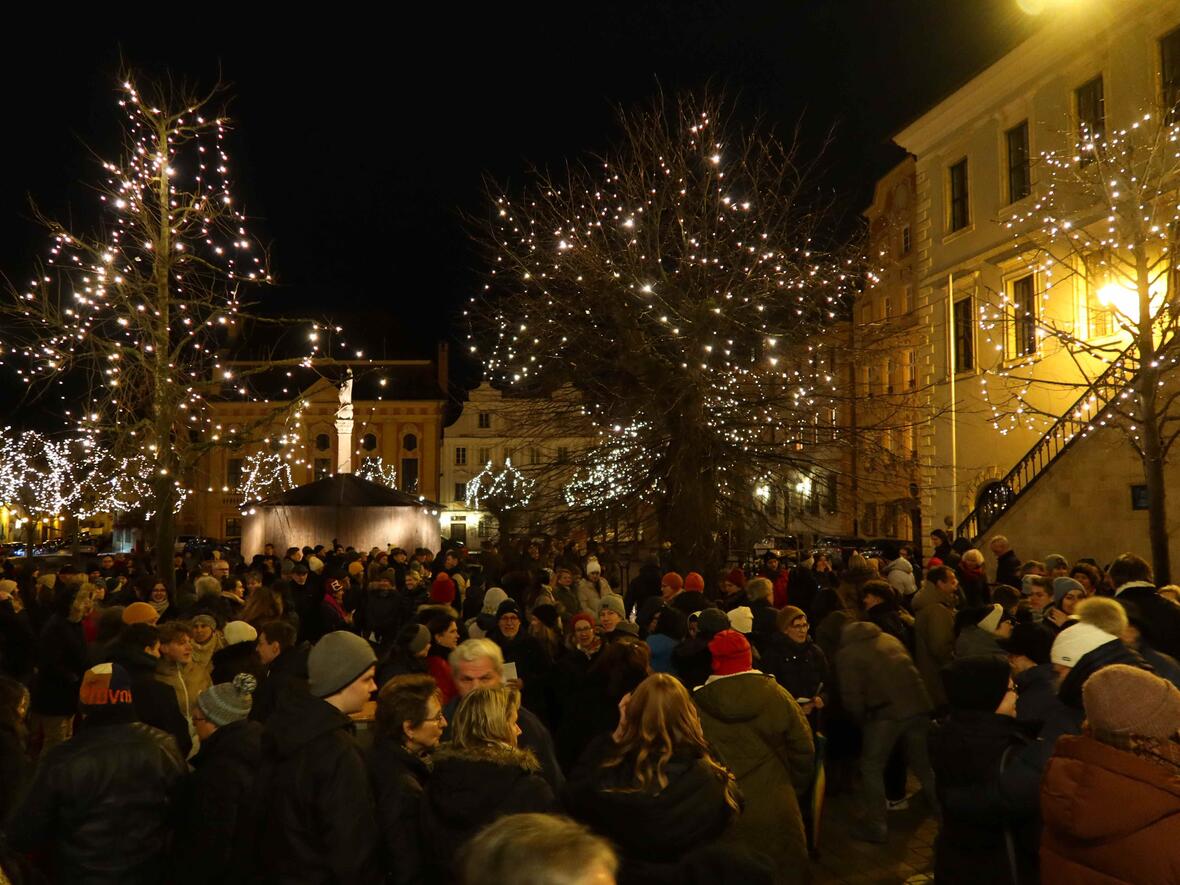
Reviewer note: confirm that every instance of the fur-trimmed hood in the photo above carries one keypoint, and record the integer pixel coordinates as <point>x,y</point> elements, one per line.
<point>496,754</point>
<point>472,786</point>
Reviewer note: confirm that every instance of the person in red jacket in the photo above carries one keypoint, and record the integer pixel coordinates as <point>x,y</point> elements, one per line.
<point>777,575</point>
<point>1110,798</point>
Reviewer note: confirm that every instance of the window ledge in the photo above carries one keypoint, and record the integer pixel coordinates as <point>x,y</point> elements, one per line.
<point>957,234</point>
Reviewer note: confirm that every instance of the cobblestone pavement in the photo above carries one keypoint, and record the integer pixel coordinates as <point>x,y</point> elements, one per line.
<point>907,857</point>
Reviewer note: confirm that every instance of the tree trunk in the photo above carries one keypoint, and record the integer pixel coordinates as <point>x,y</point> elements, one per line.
<point>1151,444</point>
<point>165,529</point>
<point>689,517</point>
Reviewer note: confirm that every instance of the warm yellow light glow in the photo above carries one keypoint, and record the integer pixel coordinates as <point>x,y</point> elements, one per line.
<point>1124,299</point>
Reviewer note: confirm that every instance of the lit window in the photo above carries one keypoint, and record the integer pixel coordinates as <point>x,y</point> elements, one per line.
<point>1022,327</point>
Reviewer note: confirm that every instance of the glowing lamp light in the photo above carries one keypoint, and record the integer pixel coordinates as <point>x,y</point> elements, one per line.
<point>762,493</point>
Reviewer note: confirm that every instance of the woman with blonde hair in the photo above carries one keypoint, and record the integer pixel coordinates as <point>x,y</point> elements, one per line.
<point>653,787</point>
<point>480,776</point>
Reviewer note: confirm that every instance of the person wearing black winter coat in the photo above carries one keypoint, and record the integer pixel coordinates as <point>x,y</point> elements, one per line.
<point>984,784</point>
<point>469,789</point>
<point>801,668</point>
<point>61,661</point>
<point>399,780</point>
<point>285,676</point>
<point>213,843</point>
<point>241,657</point>
<point>320,824</point>
<point>100,802</point>
<point>155,701</point>
<point>643,586</point>
<point>653,830</point>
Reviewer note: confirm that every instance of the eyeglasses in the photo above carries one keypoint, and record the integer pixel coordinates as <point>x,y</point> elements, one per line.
<point>437,720</point>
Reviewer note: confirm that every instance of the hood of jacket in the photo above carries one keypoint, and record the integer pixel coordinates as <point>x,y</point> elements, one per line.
<point>300,720</point>
<point>1114,652</point>
<point>859,631</point>
<point>1093,791</point>
<point>466,781</point>
<point>901,564</point>
<point>240,741</point>
<point>738,698</point>
<point>135,661</point>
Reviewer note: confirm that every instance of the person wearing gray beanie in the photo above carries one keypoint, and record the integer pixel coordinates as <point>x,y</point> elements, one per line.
<point>227,702</point>
<point>336,662</point>
<point>222,786</point>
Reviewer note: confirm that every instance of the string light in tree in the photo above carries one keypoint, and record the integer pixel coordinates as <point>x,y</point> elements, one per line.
<point>374,469</point>
<point>506,489</point>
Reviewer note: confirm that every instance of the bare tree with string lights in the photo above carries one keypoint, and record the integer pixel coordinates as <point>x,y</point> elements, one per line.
<point>1090,323</point>
<point>144,305</point>
<point>683,284</point>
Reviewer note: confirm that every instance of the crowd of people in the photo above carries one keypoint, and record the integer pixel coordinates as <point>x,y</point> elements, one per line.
<point>334,715</point>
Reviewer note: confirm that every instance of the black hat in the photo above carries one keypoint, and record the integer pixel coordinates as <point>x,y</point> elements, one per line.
<point>1031,640</point>
<point>508,606</point>
<point>977,683</point>
<point>547,615</point>
<point>300,568</point>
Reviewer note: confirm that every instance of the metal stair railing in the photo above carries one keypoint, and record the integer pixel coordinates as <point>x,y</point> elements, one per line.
<point>1073,424</point>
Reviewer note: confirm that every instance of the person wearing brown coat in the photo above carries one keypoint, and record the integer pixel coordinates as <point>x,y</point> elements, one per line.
<point>883,691</point>
<point>934,629</point>
<point>1110,799</point>
<point>758,731</point>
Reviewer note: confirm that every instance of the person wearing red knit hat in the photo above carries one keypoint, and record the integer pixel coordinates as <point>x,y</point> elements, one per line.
<point>692,599</point>
<point>733,585</point>
<point>442,590</point>
<point>747,715</point>
<point>670,585</point>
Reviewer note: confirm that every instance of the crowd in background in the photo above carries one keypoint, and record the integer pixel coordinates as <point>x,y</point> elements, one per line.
<point>323,714</point>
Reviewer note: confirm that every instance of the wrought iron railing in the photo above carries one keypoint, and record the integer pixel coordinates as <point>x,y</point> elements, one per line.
<point>1080,419</point>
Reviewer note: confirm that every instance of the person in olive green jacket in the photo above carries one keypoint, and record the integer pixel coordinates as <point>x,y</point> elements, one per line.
<point>758,731</point>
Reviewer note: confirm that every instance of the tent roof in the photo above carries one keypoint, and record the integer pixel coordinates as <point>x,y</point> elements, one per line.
<point>345,490</point>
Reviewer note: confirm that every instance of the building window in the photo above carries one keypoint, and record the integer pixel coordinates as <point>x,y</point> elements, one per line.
<point>322,468</point>
<point>485,456</point>
<point>323,442</point>
<point>866,313</point>
<point>233,473</point>
<point>233,527</point>
<point>563,454</point>
<point>1100,318</point>
<point>460,491</point>
<point>1022,337</point>
<point>870,520</point>
<point>907,299</point>
<point>460,456</point>
<point>964,335</point>
<point>960,207</point>
<point>830,492</point>
<point>409,474</point>
<point>534,455</point>
<point>410,442</point>
<point>910,369</point>
<point>1019,179</point>
<point>1091,112</point>
<point>907,242</point>
<point>890,369</point>
<point>1170,72</point>
<point>368,442</point>
<point>459,529</point>
<point>886,307</point>
<point>485,420</point>
<point>1140,500</point>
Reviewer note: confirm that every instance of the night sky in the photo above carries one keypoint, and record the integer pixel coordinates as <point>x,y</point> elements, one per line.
<point>362,138</point>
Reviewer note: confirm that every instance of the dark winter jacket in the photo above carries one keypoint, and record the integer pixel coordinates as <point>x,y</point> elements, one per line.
<point>1036,695</point>
<point>241,657</point>
<point>967,752</point>
<point>320,824</point>
<point>877,677</point>
<point>399,779</point>
<point>15,770</point>
<point>757,730</point>
<point>975,642</point>
<point>1158,618</point>
<point>934,639</point>
<point>800,669</point>
<point>100,804</point>
<point>532,666</point>
<point>471,788</point>
<point>286,675</point>
<point>1008,569</point>
<point>765,617</point>
<point>213,843</point>
<point>652,830</point>
<point>61,661</point>
<point>692,662</point>
<point>155,701</point>
<point>18,642</point>
<point>644,585</point>
<point>888,616</point>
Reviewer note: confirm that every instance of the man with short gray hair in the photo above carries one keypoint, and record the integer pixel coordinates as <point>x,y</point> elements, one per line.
<point>1007,562</point>
<point>478,663</point>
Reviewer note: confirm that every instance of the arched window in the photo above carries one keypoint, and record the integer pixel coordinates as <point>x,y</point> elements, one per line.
<point>368,442</point>
<point>993,499</point>
<point>410,442</point>
<point>323,442</point>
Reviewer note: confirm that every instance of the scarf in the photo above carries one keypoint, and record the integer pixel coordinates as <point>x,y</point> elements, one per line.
<point>1164,753</point>
<point>160,607</point>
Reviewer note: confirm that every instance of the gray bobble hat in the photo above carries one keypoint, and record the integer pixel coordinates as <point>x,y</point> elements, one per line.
<point>228,702</point>
<point>337,661</point>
